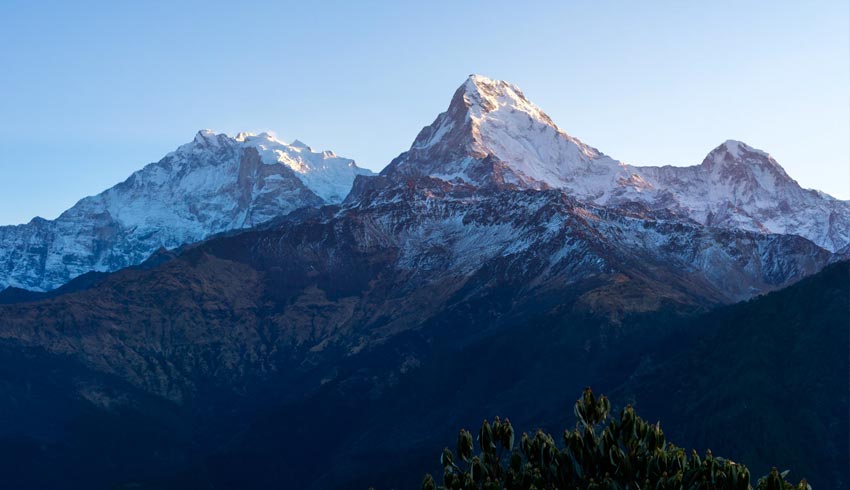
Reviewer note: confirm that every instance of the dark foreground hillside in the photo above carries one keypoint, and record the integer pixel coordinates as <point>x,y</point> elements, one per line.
<point>738,381</point>
<point>766,384</point>
<point>762,382</point>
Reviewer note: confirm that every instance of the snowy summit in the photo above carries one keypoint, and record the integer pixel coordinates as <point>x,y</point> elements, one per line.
<point>214,183</point>
<point>492,135</point>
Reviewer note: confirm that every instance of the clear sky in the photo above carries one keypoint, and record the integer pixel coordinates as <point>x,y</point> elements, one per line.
<point>91,91</point>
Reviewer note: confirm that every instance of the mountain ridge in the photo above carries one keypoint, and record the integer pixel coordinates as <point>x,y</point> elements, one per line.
<point>492,134</point>
<point>351,277</point>
<point>213,184</point>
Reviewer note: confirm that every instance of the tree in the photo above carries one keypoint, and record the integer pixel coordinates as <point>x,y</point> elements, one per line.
<point>598,454</point>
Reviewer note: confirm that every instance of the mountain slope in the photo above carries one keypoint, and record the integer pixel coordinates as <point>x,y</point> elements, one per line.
<point>313,373</point>
<point>779,360</point>
<point>333,311</point>
<point>213,184</point>
<point>492,134</point>
<point>737,186</point>
<point>356,275</point>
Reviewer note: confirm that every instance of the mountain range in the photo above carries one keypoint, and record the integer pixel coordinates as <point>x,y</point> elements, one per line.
<point>492,135</point>
<point>297,334</point>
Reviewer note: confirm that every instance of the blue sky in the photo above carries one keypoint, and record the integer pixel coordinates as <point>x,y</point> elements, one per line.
<point>91,91</point>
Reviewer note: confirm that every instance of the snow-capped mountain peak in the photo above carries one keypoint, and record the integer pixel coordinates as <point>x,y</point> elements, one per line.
<point>492,134</point>
<point>205,141</point>
<point>734,154</point>
<point>323,172</point>
<point>746,175</point>
<point>484,95</point>
<point>208,138</point>
<point>212,184</point>
<point>301,145</point>
<point>736,148</point>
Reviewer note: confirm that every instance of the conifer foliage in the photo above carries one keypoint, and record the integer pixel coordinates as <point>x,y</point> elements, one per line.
<point>598,454</point>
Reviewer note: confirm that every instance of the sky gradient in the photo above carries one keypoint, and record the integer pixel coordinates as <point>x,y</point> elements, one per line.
<point>92,91</point>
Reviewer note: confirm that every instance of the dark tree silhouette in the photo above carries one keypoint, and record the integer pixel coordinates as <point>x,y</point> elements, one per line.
<point>598,454</point>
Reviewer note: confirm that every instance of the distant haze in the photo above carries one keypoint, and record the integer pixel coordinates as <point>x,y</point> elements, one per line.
<point>93,91</point>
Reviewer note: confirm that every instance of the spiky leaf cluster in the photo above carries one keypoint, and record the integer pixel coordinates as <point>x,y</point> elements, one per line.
<point>598,454</point>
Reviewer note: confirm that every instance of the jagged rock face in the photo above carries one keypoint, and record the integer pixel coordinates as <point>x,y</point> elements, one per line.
<point>213,184</point>
<point>492,135</point>
<point>553,228</point>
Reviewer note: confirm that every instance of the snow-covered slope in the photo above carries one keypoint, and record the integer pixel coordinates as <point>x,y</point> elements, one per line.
<point>213,184</point>
<point>492,134</point>
<point>324,173</point>
<point>737,186</point>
